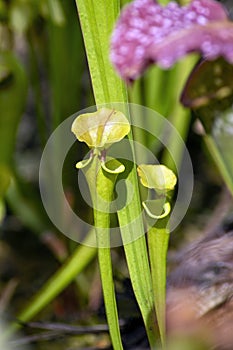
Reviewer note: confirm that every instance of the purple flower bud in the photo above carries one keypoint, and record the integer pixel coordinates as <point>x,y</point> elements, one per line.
<point>150,33</point>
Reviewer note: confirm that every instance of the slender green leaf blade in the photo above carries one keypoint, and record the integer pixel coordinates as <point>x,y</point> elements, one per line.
<point>98,18</point>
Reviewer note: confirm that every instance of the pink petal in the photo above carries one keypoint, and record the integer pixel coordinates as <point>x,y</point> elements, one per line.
<point>145,28</point>
<point>212,40</point>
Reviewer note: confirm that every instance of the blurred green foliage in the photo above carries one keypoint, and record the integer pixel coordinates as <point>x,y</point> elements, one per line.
<point>42,64</point>
<point>43,80</point>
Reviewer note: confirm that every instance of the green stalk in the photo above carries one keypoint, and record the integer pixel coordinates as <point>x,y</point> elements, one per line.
<point>219,161</point>
<point>133,238</point>
<point>101,185</point>
<point>178,115</point>
<point>158,238</point>
<point>155,80</point>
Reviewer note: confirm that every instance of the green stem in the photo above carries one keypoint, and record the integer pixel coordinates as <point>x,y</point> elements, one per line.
<point>134,241</point>
<point>155,98</point>
<point>158,238</point>
<point>101,185</point>
<point>178,115</point>
<point>135,92</point>
<point>218,158</point>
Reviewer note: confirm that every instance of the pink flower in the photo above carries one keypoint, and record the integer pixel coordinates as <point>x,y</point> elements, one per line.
<point>147,33</point>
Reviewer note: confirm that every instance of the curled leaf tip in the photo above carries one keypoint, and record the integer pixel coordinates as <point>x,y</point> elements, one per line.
<point>112,166</point>
<point>158,177</point>
<point>166,211</point>
<point>147,33</point>
<point>83,163</point>
<point>102,128</point>
<point>117,170</point>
